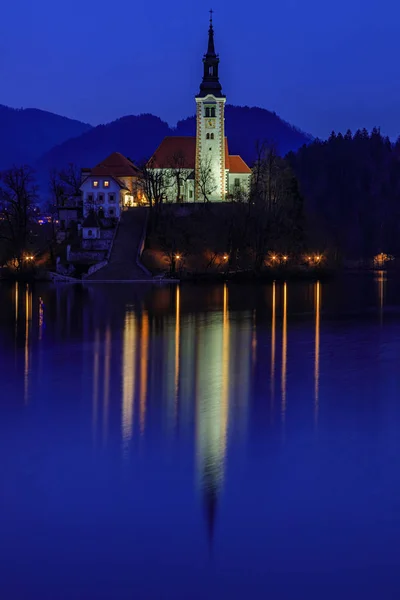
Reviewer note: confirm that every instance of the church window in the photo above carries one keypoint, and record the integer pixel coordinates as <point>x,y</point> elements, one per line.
<point>212,136</point>
<point>190,193</point>
<point>237,182</point>
<point>106,183</point>
<point>207,136</point>
<point>207,111</point>
<point>213,112</point>
<point>210,71</point>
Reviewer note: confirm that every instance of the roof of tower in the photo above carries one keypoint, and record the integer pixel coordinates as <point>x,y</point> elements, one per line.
<point>210,83</point>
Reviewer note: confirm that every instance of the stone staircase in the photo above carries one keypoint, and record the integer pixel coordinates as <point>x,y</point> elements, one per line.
<point>122,264</point>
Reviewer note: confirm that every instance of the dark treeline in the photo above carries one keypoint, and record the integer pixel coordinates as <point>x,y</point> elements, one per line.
<point>351,190</point>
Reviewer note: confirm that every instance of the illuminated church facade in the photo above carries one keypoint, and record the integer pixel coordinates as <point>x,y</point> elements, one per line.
<point>207,171</point>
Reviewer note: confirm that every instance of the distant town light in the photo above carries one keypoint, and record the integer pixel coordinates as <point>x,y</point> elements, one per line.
<point>226,257</point>
<point>318,258</point>
<point>177,256</point>
<point>273,257</point>
<point>284,257</point>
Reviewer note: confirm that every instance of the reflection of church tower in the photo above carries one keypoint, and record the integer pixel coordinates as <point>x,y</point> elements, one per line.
<point>210,125</point>
<point>212,409</point>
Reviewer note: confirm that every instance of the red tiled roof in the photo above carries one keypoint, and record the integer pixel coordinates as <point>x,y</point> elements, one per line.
<point>116,165</point>
<point>237,164</point>
<point>172,150</point>
<point>179,151</point>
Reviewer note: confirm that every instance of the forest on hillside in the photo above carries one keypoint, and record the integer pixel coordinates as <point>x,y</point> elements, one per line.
<point>351,190</point>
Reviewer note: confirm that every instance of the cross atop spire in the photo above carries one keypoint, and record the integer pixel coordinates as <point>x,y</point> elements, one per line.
<point>211,14</point>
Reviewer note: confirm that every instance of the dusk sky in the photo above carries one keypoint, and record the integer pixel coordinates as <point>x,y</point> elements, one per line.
<point>319,66</point>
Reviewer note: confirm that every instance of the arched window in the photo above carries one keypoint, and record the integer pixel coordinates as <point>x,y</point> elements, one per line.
<point>207,112</point>
<point>211,71</point>
<point>207,136</point>
<point>213,112</point>
<point>212,136</point>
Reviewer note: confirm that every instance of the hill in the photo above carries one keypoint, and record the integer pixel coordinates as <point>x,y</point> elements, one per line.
<point>27,133</point>
<point>139,136</point>
<point>245,125</point>
<point>134,136</point>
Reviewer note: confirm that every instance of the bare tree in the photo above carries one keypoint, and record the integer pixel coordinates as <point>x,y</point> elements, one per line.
<point>178,172</point>
<point>18,193</point>
<point>205,183</point>
<point>155,182</point>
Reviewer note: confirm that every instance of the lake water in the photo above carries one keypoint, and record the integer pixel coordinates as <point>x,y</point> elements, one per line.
<point>200,442</point>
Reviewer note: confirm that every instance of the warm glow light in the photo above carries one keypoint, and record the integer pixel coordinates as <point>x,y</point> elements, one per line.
<point>177,256</point>
<point>106,184</point>
<point>317,258</point>
<point>226,257</point>
<point>273,257</point>
<point>284,257</point>
<point>284,354</point>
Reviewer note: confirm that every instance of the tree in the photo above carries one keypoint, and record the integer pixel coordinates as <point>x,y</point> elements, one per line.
<point>178,173</point>
<point>205,183</point>
<point>18,194</point>
<point>154,182</point>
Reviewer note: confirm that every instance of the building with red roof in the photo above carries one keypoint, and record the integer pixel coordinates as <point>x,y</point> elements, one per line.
<point>111,185</point>
<point>200,168</point>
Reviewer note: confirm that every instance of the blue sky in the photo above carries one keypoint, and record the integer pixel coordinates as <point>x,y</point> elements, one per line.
<point>320,67</point>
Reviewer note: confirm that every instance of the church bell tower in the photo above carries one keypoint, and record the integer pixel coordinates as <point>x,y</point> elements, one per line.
<point>210,129</point>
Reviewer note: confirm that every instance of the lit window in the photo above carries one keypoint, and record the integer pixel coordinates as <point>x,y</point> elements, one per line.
<point>106,183</point>
<point>111,198</point>
<point>95,184</point>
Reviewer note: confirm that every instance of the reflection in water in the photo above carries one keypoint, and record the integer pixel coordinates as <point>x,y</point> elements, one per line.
<point>380,278</point>
<point>128,376</point>
<point>28,319</point>
<point>41,318</point>
<point>212,399</point>
<point>95,394</point>
<point>284,353</point>
<point>144,355</point>
<point>177,346</point>
<point>316,366</point>
<point>16,301</point>
<point>106,383</point>
<point>273,345</point>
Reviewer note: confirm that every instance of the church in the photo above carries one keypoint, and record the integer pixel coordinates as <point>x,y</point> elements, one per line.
<point>200,168</point>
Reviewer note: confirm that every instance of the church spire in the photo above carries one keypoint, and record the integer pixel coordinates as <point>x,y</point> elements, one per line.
<point>210,83</point>
<point>211,49</point>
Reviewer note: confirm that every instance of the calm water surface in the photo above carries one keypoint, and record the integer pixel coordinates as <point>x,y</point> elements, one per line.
<point>200,442</point>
